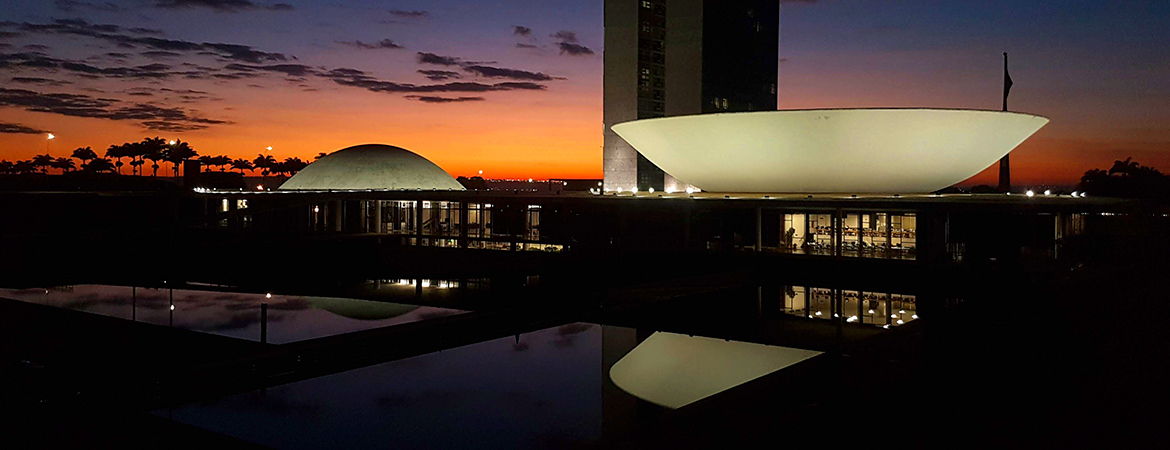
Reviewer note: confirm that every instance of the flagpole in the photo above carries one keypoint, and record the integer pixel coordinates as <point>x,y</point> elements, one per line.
<point>1005,168</point>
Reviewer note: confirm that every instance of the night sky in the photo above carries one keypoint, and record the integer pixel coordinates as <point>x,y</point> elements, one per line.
<point>514,88</point>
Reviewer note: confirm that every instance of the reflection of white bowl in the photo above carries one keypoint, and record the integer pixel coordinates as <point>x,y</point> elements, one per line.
<point>829,150</point>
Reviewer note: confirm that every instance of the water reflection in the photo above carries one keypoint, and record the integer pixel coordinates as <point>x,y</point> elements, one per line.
<point>874,308</point>
<point>536,390</point>
<point>232,314</point>
<point>675,370</point>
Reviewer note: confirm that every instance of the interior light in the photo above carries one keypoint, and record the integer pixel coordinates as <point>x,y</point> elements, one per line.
<point>651,190</point>
<point>900,322</point>
<point>871,311</point>
<point>690,190</point>
<point>669,190</point>
<point>172,307</point>
<point>1030,193</point>
<point>634,191</point>
<point>619,190</point>
<point>818,313</point>
<point>915,316</point>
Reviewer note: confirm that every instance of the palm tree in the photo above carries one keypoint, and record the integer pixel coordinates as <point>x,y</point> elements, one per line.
<point>117,152</point>
<point>242,164</point>
<point>43,162</point>
<point>24,167</point>
<point>221,162</point>
<point>264,163</point>
<point>1124,167</point>
<point>154,150</point>
<point>5,166</point>
<point>84,154</point>
<point>98,165</point>
<point>177,153</point>
<point>65,164</point>
<point>293,165</point>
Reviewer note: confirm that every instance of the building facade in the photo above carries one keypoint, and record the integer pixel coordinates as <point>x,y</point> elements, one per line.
<point>680,57</point>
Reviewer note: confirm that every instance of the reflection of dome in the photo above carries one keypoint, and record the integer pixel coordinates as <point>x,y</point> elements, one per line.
<point>360,309</point>
<point>372,166</point>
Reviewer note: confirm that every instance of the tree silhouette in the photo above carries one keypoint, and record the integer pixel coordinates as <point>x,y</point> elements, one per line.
<point>177,153</point>
<point>84,154</point>
<point>6,166</point>
<point>154,149</point>
<point>98,165</point>
<point>65,164</point>
<point>265,163</point>
<point>242,164</point>
<point>43,162</point>
<point>24,167</point>
<point>117,152</point>
<point>320,155</point>
<point>1126,179</point>
<point>221,162</point>
<point>1124,167</point>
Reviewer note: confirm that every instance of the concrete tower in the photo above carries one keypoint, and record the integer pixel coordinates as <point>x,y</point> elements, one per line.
<point>679,57</point>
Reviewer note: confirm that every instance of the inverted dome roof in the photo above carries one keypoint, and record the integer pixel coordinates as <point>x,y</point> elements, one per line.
<point>372,166</point>
<point>829,150</point>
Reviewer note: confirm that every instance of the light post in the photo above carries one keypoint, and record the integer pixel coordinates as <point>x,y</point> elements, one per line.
<point>51,137</point>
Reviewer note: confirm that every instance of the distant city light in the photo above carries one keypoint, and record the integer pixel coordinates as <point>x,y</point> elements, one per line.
<point>259,187</point>
<point>1030,193</point>
<point>1074,194</point>
<point>1047,192</point>
<point>268,295</point>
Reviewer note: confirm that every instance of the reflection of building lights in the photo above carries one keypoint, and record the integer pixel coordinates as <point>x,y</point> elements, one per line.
<point>619,190</point>
<point>900,322</point>
<point>633,190</point>
<point>893,316</point>
<point>902,311</point>
<point>915,316</point>
<point>669,190</point>
<point>172,307</point>
<point>316,209</point>
<point>871,311</point>
<point>818,313</point>
<point>836,315</point>
<point>851,319</point>
<point>887,326</point>
<point>426,283</point>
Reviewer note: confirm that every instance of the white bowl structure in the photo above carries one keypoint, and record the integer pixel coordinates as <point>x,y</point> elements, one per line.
<point>830,150</point>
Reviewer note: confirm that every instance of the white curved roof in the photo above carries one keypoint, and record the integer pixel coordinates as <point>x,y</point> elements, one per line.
<point>372,166</point>
<point>674,370</point>
<point>830,150</point>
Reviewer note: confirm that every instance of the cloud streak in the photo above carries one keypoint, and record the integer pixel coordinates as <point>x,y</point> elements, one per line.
<point>382,44</point>
<point>78,105</point>
<point>16,128</point>
<point>226,6</point>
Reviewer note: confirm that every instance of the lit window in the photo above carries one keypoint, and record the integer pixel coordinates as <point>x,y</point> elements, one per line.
<point>646,4</point>
<point>725,104</point>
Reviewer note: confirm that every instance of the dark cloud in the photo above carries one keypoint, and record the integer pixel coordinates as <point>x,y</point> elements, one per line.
<point>520,30</point>
<point>36,47</point>
<point>565,36</point>
<point>514,74</point>
<point>77,105</point>
<point>382,44</point>
<point>71,6</point>
<point>294,70</point>
<point>230,6</point>
<point>438,60</point>
<point>567,43</point>
<point>138,72</point>
<point>39,81</point>
<point>432,99</point>
<point>571,49</point>
<point>15,128</point>
<point>523,45</point>
<point>118,55</point>
<point>439,75</point>
<point>9,34</point>
<point>160,54</point>
<point>357,78</point>
<point>144,30</point>
<point>113,34</point>
<point>410,14</point>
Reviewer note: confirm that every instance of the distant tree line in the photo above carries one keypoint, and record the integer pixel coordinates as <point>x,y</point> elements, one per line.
<point>156,150</point>
<point>1126,179</point>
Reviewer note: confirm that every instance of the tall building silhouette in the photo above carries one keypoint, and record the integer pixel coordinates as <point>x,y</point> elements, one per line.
<point>679,57</point>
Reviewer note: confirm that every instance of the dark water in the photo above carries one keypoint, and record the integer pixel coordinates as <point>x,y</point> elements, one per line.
<point>542,390</point>
<point>232,314</point>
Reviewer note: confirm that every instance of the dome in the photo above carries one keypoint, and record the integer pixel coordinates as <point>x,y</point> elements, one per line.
<point>372,166</point>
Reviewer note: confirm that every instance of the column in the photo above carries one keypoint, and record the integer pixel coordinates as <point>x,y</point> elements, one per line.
<point>759,229</point>
<point>377,216</point>
<point>337,215</point>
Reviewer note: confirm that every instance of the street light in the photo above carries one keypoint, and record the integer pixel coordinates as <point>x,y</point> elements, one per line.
<point>268,149</point>
<point>51,136</point>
